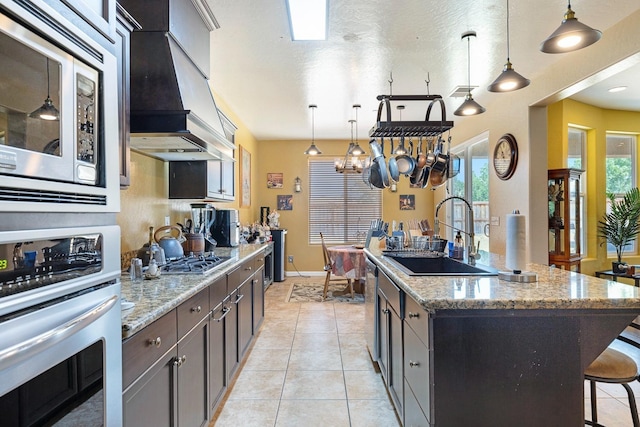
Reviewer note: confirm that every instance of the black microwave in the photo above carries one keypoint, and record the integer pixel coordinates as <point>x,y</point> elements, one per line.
<point>58,116</point>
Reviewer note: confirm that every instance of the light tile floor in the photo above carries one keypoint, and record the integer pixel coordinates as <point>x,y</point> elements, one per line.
<point>309,367</point>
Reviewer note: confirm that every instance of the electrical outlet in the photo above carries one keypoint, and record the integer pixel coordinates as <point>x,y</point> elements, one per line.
<point>291,258</point>
<point>167,220</point>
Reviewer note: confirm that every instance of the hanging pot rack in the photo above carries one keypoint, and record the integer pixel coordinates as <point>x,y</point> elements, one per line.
<point>392,129</point>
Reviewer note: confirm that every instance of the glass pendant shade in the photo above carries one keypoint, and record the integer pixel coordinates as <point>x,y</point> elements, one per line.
<point>571,35</point>
<point>469,107</point>
<point>508,80</point>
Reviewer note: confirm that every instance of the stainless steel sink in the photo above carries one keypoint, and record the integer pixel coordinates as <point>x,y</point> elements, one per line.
<point>439,266</point>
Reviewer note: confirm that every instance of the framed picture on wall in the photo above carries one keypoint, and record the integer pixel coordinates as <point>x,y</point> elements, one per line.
<point>245,177</point>
<point>275,180</point>
<point>285,202</point>
<point>407,202</point>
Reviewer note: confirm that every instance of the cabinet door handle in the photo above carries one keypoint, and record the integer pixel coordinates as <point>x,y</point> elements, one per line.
<point>225,311</point>
<point>386,311</point>
<point>414,315</point>
<point>157,342</point>
<point>197,309</point>
<point>239,298</point>
<point>413,364</point>
<point>180,361</point>
<point>247,269</point>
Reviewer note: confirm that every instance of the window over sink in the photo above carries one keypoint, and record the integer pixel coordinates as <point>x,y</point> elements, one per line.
<point>341,205</point>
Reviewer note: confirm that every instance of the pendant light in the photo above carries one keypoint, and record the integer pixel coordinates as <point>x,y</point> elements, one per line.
<point>508,80</point>
<point>571,35</point>
<point>356,150</point>
<point>469,107</point>
<point>313,150</point>
<point>47,111</point>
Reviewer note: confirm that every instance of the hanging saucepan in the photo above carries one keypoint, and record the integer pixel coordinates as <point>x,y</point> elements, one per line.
<point>378,175</point>
<point>454,166</point>
<point>394,173</point>
<point>438,175</point>
<point>405,162</point>
<point>418,170</point>
<point>431,159</point>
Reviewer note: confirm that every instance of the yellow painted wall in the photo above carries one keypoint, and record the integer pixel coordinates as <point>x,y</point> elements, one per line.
<point>598,122</point>
<point>288,158</point>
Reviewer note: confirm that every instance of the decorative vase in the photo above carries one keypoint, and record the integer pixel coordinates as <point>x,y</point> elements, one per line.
<point>619,267</point>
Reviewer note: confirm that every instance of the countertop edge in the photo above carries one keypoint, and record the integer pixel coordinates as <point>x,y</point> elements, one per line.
<point>555,289</point>
<point>180,288</point>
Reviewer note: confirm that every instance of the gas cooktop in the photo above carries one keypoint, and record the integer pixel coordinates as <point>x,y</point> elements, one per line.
<point>194,264</point>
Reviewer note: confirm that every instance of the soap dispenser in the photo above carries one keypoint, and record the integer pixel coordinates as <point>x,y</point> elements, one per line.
<point>458,246</point>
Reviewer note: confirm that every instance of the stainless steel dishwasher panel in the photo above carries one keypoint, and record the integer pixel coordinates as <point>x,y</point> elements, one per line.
<point>371,311</point>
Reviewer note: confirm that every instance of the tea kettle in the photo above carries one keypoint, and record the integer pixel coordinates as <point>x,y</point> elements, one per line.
<point>171,245</point>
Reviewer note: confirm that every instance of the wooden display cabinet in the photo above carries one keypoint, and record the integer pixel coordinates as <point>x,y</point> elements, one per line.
<point>565,249</point>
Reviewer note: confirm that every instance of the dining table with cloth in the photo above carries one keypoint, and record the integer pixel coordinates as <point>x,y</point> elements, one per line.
<point>349,261</point>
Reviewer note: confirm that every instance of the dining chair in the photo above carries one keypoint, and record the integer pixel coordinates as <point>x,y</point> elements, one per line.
<point>328,264</point>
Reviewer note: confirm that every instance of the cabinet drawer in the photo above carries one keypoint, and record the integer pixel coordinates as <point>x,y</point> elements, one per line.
<point>258,261</point>
<point>192,311</point>
<point>417,319</point>
<point>217,291</point>
<point>392,293</point>
<point>141,350</point>
<point>416,368</point>
<point>239,275</point>
<point>413,415</point>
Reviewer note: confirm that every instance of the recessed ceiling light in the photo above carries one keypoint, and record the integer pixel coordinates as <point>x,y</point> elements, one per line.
<point>617,89</point>
<point>308,19</point>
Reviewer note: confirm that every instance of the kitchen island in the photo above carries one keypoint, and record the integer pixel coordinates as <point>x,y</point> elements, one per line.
<point>487,352</point>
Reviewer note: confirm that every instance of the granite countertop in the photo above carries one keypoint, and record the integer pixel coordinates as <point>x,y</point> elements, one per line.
<point>555,289</point>
<point>156,297</point>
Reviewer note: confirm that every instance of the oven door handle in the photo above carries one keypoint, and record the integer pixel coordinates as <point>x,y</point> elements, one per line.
<point>28,348</point>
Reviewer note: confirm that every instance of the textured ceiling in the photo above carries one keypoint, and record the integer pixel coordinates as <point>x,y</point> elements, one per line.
<point>269,80</point>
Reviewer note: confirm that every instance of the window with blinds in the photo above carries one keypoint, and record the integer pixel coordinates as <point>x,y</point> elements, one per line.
<point>341,206</point>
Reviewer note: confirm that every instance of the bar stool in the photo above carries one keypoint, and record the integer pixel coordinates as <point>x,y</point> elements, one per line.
<point>613,367</point>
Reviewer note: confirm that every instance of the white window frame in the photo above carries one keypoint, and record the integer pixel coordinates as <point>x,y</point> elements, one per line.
<point>631,247</point>
<point>464,151</point>
<point>583,182</point>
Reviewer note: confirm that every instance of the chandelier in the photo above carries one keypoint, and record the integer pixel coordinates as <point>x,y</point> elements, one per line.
<point>351,162</point>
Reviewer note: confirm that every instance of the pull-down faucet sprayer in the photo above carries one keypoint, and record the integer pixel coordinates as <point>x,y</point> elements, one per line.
<point>472,250</point>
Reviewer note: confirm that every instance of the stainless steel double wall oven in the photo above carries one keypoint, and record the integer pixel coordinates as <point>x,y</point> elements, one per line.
<point>60,312</point>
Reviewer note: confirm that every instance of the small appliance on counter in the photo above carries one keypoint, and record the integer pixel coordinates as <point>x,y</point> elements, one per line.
<point>226,228</point>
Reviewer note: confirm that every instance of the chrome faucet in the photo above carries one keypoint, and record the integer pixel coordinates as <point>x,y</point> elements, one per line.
<point>473,252</point>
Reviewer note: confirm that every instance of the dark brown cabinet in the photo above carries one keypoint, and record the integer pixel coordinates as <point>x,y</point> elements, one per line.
<point>201,179</point>
<point>150,399</point>
<point>391,344</point>
<point>180,365</point>
<point>174,387</point>
<point>125,24</point>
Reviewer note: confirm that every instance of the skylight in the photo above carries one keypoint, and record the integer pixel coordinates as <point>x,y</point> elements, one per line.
<point>308,19</point>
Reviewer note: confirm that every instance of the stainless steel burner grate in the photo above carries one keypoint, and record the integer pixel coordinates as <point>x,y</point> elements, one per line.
<point>194,264</point>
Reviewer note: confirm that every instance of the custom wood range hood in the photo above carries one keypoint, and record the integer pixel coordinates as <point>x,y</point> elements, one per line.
<point>173,113</point>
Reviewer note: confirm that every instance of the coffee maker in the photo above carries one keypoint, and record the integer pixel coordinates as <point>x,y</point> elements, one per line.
<point>203,216</point>
<point>226,229</point>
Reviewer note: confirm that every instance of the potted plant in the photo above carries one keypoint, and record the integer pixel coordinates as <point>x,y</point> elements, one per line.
<point>620,226</point>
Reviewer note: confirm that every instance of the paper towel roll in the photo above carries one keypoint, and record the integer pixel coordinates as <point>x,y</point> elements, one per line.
<point>516,242</point>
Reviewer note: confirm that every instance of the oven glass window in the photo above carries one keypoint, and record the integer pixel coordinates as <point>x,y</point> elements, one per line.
<point>30,108</point>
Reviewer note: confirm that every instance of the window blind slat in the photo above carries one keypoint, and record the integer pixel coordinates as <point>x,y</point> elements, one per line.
<point>341,206</point>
